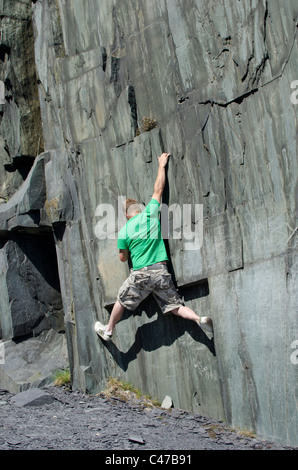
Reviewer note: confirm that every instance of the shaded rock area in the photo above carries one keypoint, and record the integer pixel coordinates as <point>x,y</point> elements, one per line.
<point>32,361</point>
<point>62,420</point>
<point>21,138</point>
<point>94,92</point>
<point>31,311</point>
<point>32,328</point>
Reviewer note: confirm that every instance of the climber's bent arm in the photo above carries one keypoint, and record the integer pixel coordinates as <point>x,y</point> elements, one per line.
<point>123,255</point>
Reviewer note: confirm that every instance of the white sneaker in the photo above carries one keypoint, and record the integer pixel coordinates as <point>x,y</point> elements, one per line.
<point>100,329</point>
<point>206,324</point>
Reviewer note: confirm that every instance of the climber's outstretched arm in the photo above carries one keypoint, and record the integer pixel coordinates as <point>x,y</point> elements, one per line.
<point>161,176</point>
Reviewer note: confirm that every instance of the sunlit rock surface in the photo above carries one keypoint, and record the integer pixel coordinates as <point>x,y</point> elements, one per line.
<point>216,80</point>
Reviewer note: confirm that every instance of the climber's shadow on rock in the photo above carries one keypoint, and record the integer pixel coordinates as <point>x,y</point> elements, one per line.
<point>163,331</point>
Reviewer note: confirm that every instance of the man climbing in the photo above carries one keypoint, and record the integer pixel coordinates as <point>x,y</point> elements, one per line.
<point>141,239</point>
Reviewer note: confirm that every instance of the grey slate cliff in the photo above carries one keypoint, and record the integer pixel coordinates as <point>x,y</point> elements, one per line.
<point>113,84</point>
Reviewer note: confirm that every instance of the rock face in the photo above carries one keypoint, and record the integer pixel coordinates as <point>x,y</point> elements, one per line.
<point>21,138</point>
<point>31,311</point>
<point>212,83</point>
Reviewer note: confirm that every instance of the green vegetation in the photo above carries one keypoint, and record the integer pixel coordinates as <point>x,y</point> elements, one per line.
<point>62,378</point>
<point>126,391</point>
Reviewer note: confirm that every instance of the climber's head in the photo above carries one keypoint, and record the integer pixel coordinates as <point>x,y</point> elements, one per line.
<point>132,207</point>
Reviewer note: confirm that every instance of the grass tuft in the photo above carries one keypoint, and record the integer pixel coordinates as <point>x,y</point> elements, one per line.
<point>62,378</point>
<point>148,123</point>
<point>126,391</point>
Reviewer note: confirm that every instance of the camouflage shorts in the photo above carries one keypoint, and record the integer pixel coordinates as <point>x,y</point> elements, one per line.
<point>153,279</point>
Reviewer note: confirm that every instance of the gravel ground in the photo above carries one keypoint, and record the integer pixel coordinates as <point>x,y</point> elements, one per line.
<point>75,421</point>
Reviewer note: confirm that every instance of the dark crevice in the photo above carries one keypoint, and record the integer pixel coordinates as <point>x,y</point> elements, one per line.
<point>133,107</point>
<point>104,59</point>
<point>238,100</point>
<point>4,51</point>
<point>21,163</point>
<point>58,230</point>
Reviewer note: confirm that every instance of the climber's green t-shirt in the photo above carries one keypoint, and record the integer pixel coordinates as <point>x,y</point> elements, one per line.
<point>142,237</point>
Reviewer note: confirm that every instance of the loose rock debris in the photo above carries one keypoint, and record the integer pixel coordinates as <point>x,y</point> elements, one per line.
<point>75,421</point>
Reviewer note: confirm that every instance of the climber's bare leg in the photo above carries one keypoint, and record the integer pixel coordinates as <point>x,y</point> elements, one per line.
<point>115,317</point>
<point>185,312</point>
